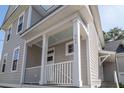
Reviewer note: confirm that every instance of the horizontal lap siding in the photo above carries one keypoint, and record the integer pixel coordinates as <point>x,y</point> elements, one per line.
<point>13,78</point>
<point>120,61</point>
<point>15,41</point>
<point>60,55</point>
<point>93,53</point>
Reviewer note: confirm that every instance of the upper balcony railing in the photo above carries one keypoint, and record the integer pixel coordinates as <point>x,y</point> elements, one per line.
<point>39,13</point>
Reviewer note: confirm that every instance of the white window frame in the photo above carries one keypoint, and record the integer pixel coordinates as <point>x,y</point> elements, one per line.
<point>5,55</point>
<point>53,54</point>
<point>66,48</point>
<point>22,14</point>
<point>13,59</point>
<point>8,32</point>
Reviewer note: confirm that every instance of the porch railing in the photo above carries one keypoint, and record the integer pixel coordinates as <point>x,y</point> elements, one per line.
<point>32,74</point>
<point>59,73</point>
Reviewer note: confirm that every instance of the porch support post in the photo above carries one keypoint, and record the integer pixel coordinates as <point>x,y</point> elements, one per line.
<point>77,81</point>
<point>44,59</point>
<point>24,64</point>
<point>29,16</point>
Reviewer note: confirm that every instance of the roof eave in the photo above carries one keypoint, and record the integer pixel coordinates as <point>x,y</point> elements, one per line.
<point>96,16</point>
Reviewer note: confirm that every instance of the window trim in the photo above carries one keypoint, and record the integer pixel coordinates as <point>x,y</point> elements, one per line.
<point>5,55</point>
<point>10,26</point>
<point>22,14</point>
<point>66,49</point>
<point>53,54</point>
<point>13,59</point>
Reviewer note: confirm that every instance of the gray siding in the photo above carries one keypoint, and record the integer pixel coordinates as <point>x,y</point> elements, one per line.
<point>60,53</point>
<point>93,54</point>
<point>109,68</point>
<point>120,61</point>
<point>15,41</point>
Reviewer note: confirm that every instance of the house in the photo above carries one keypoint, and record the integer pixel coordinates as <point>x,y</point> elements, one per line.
<point>55,45</point>
<point>118,47</point>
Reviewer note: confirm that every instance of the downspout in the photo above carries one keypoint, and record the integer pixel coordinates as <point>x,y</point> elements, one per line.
<point>117,70</point>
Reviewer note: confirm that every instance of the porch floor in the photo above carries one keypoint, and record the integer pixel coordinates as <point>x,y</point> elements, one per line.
<point>4,85</point>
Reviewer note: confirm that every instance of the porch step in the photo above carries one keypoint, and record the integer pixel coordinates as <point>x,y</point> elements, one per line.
<point>108,85</point>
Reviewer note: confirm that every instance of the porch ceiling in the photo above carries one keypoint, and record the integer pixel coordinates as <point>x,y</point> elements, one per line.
<point>59,37</point>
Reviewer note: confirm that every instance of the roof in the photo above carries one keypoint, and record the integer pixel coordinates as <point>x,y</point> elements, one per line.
<point>115,46</point>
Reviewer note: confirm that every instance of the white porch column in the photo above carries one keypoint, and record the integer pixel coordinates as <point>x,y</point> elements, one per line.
<point>44,59</point>
<point>24,64</point>
<point>77,53</point>
<point>29,16</point>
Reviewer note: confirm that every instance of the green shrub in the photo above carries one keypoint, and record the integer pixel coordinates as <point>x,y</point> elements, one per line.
<point>121,85</point>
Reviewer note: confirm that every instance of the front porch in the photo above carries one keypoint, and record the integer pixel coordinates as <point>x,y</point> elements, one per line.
<point>59,57</point>
<point>55,74</point>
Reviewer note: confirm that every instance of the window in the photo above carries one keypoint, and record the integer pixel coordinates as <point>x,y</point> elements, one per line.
<point>4,63</point>
<point>9,33</point>
<point>51,53</point>
<point>69,48</point>
<point>15,59</point>
<point>20,23</point>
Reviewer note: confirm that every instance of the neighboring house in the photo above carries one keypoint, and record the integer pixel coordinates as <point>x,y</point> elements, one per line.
<point>55,46</point>
<point>118,47</point>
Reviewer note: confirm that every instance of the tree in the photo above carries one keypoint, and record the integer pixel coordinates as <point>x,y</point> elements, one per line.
<point>114,34</point>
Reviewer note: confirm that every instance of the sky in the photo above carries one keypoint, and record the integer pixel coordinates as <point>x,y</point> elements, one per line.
<point>3,10</point>
<point>111,16</point>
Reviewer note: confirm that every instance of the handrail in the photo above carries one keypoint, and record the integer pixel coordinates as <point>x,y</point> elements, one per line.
<point>116,79</point>
<point>59,63</point>
<point>33,67</point>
